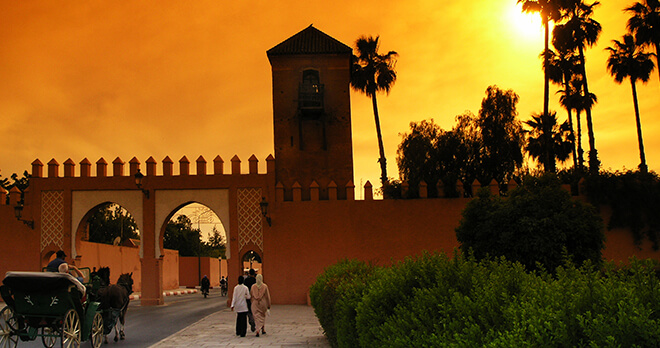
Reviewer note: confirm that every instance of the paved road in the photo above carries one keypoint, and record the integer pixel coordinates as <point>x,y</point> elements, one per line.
<point>148,325</point>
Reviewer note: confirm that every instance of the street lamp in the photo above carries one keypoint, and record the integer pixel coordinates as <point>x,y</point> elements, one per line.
<point>18,211</point>
<point>138,182</point>
<point>264,209</point>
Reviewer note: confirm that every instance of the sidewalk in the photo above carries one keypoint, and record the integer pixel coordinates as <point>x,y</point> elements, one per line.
<point>287,326</point>
<point>138,295</point>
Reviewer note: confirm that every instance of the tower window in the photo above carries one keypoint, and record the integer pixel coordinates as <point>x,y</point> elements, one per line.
<point>310,93</point>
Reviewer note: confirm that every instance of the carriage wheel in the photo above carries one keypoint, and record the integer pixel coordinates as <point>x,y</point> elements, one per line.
<point>48,336</point>
<point>70,333</point>
<point>96,336</point>
<point>8,325</point>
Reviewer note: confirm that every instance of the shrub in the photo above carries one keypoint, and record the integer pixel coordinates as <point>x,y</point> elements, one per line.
<point>635,201</point>
<point>329,288</point>
<point>536,225</point>
<point>435,301</point>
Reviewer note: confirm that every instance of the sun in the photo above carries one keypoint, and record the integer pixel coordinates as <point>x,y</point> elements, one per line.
<point>526,25</point>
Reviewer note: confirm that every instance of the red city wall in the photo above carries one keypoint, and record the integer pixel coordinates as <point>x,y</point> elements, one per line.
<point>189,268</point>
<point>19,245</point>
<point>120,260</point>
<point>308,236</point>
<point>305,237</point>
<point>126,260</point>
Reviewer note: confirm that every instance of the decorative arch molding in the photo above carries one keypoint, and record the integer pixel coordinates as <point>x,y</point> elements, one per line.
<point>83,201</point>
<point>169,201</point>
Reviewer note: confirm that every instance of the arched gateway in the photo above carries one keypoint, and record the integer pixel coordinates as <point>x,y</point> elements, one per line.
<point>61,205</point>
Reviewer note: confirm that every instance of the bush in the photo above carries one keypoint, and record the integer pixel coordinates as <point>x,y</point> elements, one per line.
<point>335,283</point>
<point>435,301</point>
<point>635,201</point>
<point>538,224</point>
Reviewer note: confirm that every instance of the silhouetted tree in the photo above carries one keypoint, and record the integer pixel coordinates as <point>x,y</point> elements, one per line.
<point>469,151</point>
<point>578,32</point>
<point>180,235</point>
<point>645,24</point>
<point>21,183</point>
<point>627,60</point>
<point>110,221</point>
<point>371,73</point>
<point>561,144</point>
<point>431,154</point>
<point>572,98</point>
<point>562,69</point>
<point>484,147</point>
<point>216,246</point>
<point>501,135</point>
<point>549,11</point>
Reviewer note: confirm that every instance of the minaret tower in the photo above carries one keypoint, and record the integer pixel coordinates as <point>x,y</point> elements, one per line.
<point>311,112</point>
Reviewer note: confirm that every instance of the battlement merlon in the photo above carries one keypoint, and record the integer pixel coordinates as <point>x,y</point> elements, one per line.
<point>118,167</point>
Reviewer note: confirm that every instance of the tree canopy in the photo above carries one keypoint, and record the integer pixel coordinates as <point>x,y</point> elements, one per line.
<point>21,183</point>
<point>109,222</point>
<point>484,147</point>
<point>182,236</point>
<point>538,224</point>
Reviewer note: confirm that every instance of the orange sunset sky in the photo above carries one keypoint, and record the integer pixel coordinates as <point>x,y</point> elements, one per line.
<point>92,79</point>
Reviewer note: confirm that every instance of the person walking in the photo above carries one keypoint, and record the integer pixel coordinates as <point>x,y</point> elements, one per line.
<point>239,301</point>
<point>223,286</point>
<point>205,285</point>
<point>260,303</point>
<point>249,281</point>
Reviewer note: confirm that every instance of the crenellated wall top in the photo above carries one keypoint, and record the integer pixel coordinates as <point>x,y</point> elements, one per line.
<point>118,167</point>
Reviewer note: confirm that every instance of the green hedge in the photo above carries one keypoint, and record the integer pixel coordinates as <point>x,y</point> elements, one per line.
<point>334,294</point>
<point>437,301</point>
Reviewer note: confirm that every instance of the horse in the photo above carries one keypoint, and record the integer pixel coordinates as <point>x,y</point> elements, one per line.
<point>104,275</point>
<point>114,301</point>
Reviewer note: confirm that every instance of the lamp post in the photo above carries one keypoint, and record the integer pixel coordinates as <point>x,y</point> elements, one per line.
<point>18,211</point>
<point>138,182</point>
<point>264,209</point>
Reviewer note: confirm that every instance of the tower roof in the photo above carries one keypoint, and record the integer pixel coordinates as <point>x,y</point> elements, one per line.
<point>309,41</point>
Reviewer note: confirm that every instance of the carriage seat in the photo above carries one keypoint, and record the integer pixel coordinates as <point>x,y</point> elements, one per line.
<point>34,282</point>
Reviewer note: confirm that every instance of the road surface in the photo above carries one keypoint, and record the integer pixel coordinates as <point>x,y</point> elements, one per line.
<point>148,325</point>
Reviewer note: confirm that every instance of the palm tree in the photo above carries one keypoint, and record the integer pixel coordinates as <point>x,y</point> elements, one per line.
<point>548,11</point>
<point>628,61</point>
<point>572,99</point>
<point>371,73</point>
<point>645,24</point>
<point>578,32</point>
<point>562,68</point>
<point>561,144</point>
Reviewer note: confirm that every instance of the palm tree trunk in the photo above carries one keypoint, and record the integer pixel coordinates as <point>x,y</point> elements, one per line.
<point>570,123</point>
<point>580,160</point>
<point>594,163</point>
<point>642,165</point>
<point>570,127</point>
<point>381,148</point>
<point>549,161</point>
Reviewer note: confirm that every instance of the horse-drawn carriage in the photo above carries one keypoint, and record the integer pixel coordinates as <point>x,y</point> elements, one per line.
<point>51,306</point>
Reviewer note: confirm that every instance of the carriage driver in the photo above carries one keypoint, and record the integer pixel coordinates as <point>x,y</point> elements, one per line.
<point>60,265</point>
<point>54,265</point>
<point>65,268</point>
